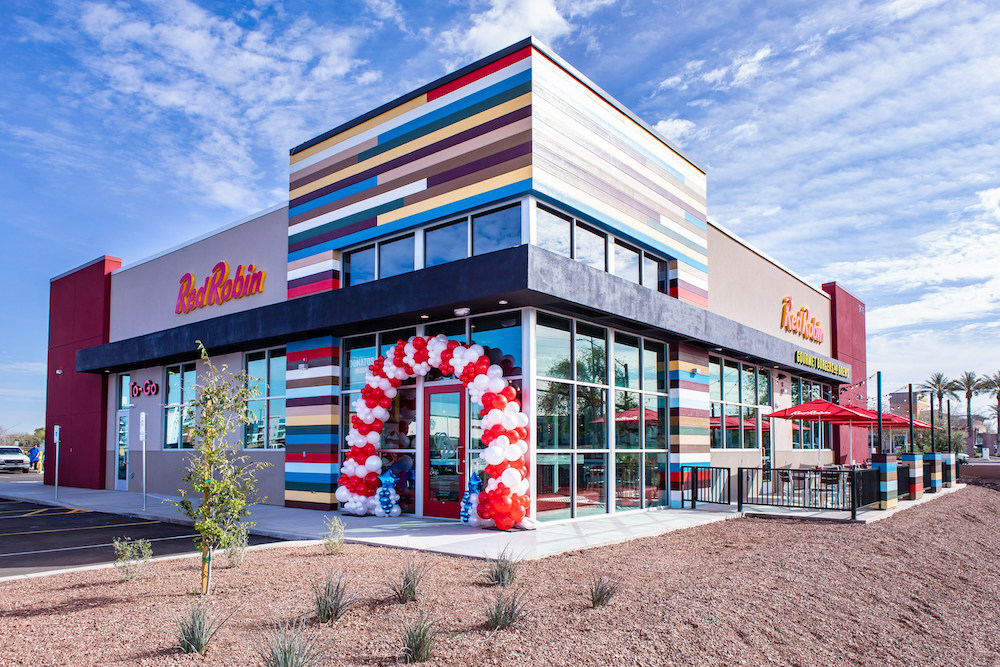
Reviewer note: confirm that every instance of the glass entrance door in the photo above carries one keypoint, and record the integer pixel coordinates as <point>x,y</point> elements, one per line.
<point>444,450</point>
<point>121,477</point>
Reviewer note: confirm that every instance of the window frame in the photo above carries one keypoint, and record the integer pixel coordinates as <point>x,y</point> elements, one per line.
<point>182,406</point>
<point>267,398</point>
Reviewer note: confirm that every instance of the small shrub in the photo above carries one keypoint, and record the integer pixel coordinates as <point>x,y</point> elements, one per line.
<point>408,586</point>
<point>289,645</point>
<point>502,570</point>
<point>601,590</point>
<point>131,557</point>
<point>197,629</point>
<point>506,610</point>
<point>418,637</point>
<point>332,598</point>
<point>236,542</point>
<point>333,537</point>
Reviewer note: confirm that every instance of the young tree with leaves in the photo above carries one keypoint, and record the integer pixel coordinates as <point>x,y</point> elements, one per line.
<point>224,481</point>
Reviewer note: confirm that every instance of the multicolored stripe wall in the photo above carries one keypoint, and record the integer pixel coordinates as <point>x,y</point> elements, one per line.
<point>519,122</point>
<point>689,413</point>
<point>312,423</point>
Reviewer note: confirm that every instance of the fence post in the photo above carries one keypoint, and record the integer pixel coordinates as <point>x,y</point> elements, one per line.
<point>739,489</point>
<point>694,487</point>
<point>854,494</point>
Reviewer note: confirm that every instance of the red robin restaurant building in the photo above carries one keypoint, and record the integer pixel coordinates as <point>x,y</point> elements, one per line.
<point>512,204</point>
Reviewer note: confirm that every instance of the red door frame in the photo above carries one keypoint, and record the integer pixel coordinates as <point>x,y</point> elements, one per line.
<point>437,508</point>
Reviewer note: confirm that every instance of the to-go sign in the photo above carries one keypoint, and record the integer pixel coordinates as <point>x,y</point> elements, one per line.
<point>147,388</point>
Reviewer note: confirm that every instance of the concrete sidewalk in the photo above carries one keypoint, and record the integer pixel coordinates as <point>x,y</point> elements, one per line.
<point>435,535</point>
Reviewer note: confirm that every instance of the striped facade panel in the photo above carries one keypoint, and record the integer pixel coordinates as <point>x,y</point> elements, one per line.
<point>888,486</point>
<point>915,484</point>
<point>312,428</point>
<point>948,469</point>
<point>932,469</point>
<point>591,156</point>
<point>689,411</point>
<point>462,145</point>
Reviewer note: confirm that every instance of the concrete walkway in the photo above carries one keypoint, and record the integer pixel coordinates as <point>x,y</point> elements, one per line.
<point>436,535</point>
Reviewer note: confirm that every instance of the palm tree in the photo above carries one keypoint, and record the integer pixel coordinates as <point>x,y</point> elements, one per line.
<point>970,384</point>
<point>941,386</point>
<point>991,385</point>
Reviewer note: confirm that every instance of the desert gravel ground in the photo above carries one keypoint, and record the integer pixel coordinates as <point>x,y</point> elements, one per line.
<point>921,587</point>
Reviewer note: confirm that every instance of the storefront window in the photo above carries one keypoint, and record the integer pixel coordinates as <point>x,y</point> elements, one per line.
<point>553,486</point>
<point>654,367</point>
<point>591,247</point>
<point>732,426</point>
<point>178,419</point>
<point>715,426</point>
<point>655,422</point>
<point>627,496</point>
<point>655,475</point>
<point>124,390</point>
<point>395,257</point>
<point>501,334</point>
<point>626,262</point>
<point>591,354</point>
<point>628,420</point>
<point>359,266</point>
<point>654,273</point>
<point>553,428</point>
<point>731,382</point>
<point>591,417</point>
<point>496,230</point>
<point>446,243</point>
<point>737,393</point>
<point>626,361</point>
<point>591,484</point>
<point>553,347</point>
<point>266,373</point>
<point>554,231</point>
<point>358,353</point>
<point>714,378</point>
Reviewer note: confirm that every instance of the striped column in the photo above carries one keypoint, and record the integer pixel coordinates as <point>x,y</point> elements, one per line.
<point>936,480</point>
<point>689,409</point>
<point>948,469</point>
<point>915,486</point>
<point>314,273</point>
<point>886,466</point>
<point>312,431</point>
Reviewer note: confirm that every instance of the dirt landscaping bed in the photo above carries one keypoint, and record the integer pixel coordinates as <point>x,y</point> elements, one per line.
<point>920,587</point>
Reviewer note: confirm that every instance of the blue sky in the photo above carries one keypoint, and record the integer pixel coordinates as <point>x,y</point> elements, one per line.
<point>852,141</point>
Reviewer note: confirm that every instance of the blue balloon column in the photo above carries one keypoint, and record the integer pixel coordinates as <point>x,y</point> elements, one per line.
<point>388,499</point>
<point>471,500</point>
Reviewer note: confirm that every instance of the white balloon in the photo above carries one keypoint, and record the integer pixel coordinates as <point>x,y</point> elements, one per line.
<point>491,484</point>
<point>379,511</point>
<point>348,466</point>
<point>512,452</point>
<point>493,455</point>
<point>374,438</point>
<point>512,408</point>
<point>511,478</point>
<point>502,442</point>
<point>497,384</point>
<point>373,463</point>
<point>494,416</point>
<point>523,487</point>
<point>509,422</point>
<point>494,371</point>
<point>523,446</point>
<point>522,419</point>
<point>342,493</point>
<point>476,351</point>
<point>395,511</point>
<point>482,383</point>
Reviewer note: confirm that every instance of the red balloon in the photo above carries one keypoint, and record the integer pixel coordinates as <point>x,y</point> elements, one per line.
<point>484,498</point>
<point>517,512</point>
<point>499,401</point>
<point>371,478</point>
<point>487,438</point>
<point>395,382</point>
<point>483,511</point>
<point>502,505</point>
<point>522,433</point>
<point>488,398</point>
<point>504,522</point>
<point>342,480</point>
<point>419,343</point>
<point>377,426</point>
<point>364,428</point>
<point>385,402</point>
<point>500,467</point>
<point>371,402</point>
<point>509,392</point>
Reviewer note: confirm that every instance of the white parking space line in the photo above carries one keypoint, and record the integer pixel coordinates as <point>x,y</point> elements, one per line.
<point>92,546</point>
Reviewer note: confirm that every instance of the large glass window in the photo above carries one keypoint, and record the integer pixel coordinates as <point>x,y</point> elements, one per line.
<point>553,347</point>
<point>446,243</point>
<point>554,231</point>
<point>501,336</point>
<point>591,247</point>
<point>266,373</point>
<point>591,417</point>
<point>359,266</point>
<point>626,262</point>
<point>553,412</point>
<point>395,256</point>
<point>496,230</point>
<point>591,354</point>
<point>359,353</point>
<point>809,434</point>
<point>124,391</point>
<point>626,361</point>
<point>654,273</point>
<point>554,486</point>
<point>739,395</point>
<point>177,411</point>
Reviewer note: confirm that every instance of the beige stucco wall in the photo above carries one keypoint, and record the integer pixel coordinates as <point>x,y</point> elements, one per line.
<point>165,468</point>
<point>144,296</point>
<point>749,288</point>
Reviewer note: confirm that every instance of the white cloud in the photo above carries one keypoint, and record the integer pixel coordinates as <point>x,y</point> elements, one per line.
<point>505,22</point>
<point>675,129</point>
<point>746,68</point>
<point>23,367</point>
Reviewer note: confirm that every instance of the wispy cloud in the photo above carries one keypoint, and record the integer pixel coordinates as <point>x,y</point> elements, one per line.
<point>23,367</point>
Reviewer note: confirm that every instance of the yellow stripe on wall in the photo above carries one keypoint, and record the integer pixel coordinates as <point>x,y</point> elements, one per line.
<point>310,497</point>
<point>361,127</point>
<point>313,420</point>
<point>418,143</point>
<point>454,195</point>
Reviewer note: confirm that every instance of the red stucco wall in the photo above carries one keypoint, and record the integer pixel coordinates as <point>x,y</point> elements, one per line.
<point>848,315</point>
<point>79,314</point>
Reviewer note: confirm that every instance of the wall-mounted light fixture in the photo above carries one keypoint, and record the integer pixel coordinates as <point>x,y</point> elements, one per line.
<point>58,371</point>
<point>695,370</point>
<point>303,365</point>
<point>463,311</point>
<point>503,302</point>
<point>781,376</point>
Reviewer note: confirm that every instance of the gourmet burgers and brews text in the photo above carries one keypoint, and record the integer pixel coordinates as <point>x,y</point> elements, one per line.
<point>219,287</point>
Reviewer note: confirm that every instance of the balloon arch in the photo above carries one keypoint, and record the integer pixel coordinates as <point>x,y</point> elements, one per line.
<point>361,490</point>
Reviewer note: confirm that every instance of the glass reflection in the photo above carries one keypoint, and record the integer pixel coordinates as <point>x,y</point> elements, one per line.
<point>553,428</point>
<point>496,230</point>
<point>552,347</point>
<point>553,231</point>
<point>627,482</point>
<point>591,484</point>
<point>552,487</point>
<point>446,243</point>
<point>591,417</point>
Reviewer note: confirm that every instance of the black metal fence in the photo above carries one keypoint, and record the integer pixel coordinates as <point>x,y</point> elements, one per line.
<point>705,484</point>
<point>928,470</point>
<point>902,480</point>
<point>845,490</point>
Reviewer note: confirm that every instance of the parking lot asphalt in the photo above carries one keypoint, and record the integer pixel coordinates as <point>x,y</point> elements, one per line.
<point>38,538</point>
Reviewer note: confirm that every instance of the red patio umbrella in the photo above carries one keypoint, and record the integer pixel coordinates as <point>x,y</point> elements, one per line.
<point>828,413</point>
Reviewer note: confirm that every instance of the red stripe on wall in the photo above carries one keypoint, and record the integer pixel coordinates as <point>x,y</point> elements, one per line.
<point>319,286</point>
<point>691,297</point>
<point>310,457</point>
<point>479,74</point>
<point>304,355</point>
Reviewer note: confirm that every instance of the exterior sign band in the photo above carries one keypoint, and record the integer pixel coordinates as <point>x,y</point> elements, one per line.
<point>219,287</point>
<point>800,322</point>
<point>812,361</point>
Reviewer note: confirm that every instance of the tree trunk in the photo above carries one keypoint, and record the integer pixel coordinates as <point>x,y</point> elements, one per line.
<point>206,568</point>
<point>968,415</point>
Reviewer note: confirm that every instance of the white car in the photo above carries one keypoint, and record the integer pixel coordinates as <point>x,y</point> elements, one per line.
<point>12,458</point>
<point>962,457</point>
